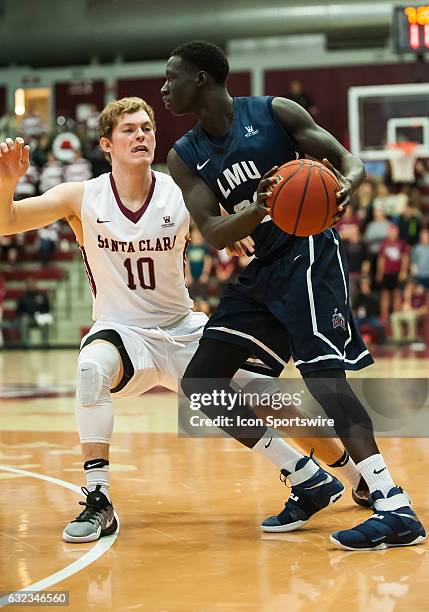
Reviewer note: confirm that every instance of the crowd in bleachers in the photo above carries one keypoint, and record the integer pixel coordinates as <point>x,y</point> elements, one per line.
<point>384,231</point>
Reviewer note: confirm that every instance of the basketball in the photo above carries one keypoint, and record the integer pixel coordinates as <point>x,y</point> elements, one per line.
<point>303,200</point>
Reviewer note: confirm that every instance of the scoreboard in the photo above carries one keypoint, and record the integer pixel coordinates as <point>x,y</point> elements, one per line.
<point>411,29</point>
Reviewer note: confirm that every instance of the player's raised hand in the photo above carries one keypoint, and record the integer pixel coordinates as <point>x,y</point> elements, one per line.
<point>14,159</point>
<point>344,194</point>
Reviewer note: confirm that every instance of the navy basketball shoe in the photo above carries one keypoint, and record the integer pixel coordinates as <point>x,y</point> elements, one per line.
<point>390,525</point>
<point>306,498</point>
<point>97,520</point>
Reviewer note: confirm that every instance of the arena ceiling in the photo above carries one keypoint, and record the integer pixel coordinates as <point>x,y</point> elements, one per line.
<point>64,32</point>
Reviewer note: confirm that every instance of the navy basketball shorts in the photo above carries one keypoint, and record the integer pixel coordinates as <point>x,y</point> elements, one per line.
<point>296,305</point>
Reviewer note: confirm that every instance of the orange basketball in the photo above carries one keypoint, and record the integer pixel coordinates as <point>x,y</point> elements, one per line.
<point>303,201</point>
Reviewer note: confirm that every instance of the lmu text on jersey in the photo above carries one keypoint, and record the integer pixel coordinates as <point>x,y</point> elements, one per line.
<point>237,174</point>
<point>151,244</point>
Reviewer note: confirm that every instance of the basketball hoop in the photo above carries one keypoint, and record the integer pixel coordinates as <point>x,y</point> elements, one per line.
<point>403,156</point>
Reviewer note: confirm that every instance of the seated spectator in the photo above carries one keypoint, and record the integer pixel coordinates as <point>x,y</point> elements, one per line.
<point>420,260</point>
<point>366,309</point>
<point>51,174</point>
<point>357,258</point>
<point>78,170</point>
<point>33,311</point>
<point>225,267</point>
<point>376,231</point>
<point>198,265</point>
<point>11,247</point>
<point>348,223</point>
<point>47,241</point>
<point>409,224</point>
<point>39,152</point>
<point>363,203</point>
<point>31,125</point>
<point>27,184</point>
<point>392,270</point>
<point>392,204</point>
<point>8,126</point>
<point>413,309</point>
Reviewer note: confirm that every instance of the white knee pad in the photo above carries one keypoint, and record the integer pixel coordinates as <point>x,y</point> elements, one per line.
<point>98,366</point>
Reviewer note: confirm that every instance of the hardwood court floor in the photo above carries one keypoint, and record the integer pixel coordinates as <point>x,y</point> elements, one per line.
<point>189,510</point>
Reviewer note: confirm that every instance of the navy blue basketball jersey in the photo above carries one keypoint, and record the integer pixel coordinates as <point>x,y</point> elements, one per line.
<point>233,166</point>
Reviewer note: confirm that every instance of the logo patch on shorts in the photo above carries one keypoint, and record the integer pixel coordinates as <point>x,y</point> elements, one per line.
<point>338,320</point>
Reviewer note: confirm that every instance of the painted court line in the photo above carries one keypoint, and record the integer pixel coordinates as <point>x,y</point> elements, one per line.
<point>100,547</point>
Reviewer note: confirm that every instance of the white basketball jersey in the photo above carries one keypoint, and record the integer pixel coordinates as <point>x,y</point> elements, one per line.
<point>135,260</point>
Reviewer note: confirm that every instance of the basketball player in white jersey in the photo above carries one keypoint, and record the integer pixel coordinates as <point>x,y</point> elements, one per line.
<point>131,225</point>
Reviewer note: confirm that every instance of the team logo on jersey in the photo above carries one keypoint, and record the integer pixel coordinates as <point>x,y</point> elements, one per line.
<point>338,320</point>
<point>167,222</point>
<point>250,131</point>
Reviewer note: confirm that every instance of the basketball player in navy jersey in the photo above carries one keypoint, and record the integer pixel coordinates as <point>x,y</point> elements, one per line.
<point>132,227</point>
<point>293,298</point>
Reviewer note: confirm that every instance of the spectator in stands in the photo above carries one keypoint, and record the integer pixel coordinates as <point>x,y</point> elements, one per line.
<point>363,203</point>
<point>391,203</point>
<point>392,270</point>
<point>420,260</point>
<point>93,153</point>
<point>225,268</point>
<point>413,309</point>
<point>296,93</point>
<point>347,225</point>
<point>409,224</point>
<point>366,309</point>
<point>27,184</point>
<point>358,258</point>
<point>11,247</point>
<point>31,125</point>
<point>39,155</point>
<point>47,241</point>
<point>376,231</point>
<point>51,174</point>
<point>33,311</point>
<point>78,170</point>
<point>199,265</point>
<point>91,122</point>
<point>8,126</point>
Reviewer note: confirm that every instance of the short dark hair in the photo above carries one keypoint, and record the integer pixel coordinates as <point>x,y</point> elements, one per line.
<point>205,56</point>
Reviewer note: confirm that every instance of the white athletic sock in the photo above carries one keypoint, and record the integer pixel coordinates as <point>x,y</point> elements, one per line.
<point>346,468</point>
<point>375,472</point>
<point>97,476</point>
<point>275,449</point>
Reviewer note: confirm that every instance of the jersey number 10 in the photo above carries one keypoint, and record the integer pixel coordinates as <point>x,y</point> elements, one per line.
<point>145,273</point>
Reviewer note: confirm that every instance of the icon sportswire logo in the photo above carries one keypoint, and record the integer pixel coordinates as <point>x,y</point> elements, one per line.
<point>201,166</point>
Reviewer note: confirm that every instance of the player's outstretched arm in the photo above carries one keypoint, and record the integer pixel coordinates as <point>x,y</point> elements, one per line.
<point>203,205</point>
<point>313,140</point>
<point>61,201</point>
